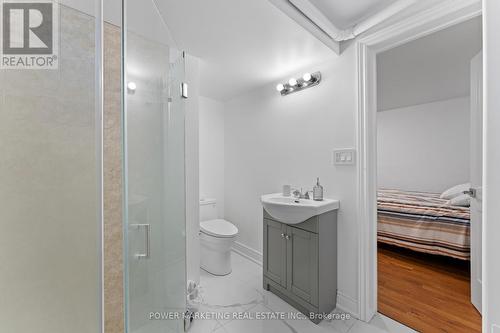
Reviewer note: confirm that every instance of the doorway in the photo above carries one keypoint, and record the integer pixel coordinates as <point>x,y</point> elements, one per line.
<point>428,155</point>
<point>418,26</point>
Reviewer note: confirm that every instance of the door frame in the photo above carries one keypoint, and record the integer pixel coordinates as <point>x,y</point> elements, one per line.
<point>420,24</point>
<point>476,102</point>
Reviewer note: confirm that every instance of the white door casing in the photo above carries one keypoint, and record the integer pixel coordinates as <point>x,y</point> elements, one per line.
<point>476,178</point>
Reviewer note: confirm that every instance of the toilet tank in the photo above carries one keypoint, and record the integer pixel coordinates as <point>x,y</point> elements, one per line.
<point>208,209</point>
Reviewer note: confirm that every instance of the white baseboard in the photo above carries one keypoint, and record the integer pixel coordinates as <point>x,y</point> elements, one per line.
<point>347,304</point>
<point>248,252</point>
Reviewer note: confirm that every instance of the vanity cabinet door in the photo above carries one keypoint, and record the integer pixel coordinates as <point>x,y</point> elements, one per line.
<point>275,251</point>
<point>302,264</point>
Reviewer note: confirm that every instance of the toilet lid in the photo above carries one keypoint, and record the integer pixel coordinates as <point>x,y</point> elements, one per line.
<point>219,228</point>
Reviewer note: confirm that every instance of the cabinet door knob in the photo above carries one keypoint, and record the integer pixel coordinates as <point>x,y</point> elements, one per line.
<point>287,237</point>
<point>282,235</point>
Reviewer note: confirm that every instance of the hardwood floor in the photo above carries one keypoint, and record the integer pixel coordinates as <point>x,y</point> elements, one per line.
<point>425,292</point>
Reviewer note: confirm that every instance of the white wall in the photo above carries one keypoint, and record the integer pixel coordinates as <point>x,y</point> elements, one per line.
<point>273,140</point>
<point>424,147</point>
<point>491,227</point>
<point>212,151</point>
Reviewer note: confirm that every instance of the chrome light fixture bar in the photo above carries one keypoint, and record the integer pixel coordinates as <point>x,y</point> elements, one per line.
<point>293,85</point>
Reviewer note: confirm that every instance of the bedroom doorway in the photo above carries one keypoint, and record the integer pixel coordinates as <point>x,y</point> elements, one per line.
<point>428,176</point>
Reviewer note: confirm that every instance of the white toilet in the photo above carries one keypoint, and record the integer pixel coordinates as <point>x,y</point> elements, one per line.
<point>216,237</point>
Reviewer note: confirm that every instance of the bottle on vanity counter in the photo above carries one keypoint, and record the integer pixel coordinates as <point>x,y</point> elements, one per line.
<point>287,190</point>
<point>318,191</point>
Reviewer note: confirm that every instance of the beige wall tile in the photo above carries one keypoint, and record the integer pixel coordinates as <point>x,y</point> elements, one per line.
<point>113,230</point>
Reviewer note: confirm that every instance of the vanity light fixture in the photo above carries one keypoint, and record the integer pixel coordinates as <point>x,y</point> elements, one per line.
<point>293,85</point>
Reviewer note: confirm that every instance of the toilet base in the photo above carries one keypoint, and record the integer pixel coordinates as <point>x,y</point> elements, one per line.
<point>216,254</point>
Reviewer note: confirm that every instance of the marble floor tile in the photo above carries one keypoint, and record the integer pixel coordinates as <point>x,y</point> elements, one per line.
<point>343,324</point>
<point>242,305</point>
<point>255,325</point>
<point>387,324</point>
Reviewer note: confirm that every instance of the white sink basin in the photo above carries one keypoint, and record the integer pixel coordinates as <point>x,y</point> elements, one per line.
<point>293,211</point>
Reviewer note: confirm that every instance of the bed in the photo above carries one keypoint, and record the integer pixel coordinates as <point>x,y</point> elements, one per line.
<point>423,222</point>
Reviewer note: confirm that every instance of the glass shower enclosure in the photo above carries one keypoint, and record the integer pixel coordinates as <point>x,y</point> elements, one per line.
<point>51,166</point>
<point>154,173</point>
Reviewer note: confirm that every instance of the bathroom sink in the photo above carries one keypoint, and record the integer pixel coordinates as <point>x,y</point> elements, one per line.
<point>290,210</point>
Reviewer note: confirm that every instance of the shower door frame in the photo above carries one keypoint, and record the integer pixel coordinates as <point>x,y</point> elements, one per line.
<point>99,109</point>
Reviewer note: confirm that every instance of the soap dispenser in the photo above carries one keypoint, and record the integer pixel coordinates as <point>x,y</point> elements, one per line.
<point>318,191</point>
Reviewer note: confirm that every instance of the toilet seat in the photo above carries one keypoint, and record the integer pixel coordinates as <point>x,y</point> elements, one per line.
<point>219,228</point>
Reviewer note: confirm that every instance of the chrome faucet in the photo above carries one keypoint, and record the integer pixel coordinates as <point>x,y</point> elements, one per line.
<point>299,195</point>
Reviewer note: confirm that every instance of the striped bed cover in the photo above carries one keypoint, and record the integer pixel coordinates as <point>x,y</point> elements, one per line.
<point>423,222</point>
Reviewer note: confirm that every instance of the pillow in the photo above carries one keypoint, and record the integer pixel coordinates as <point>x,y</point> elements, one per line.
<point>455,191</point>
<point>461,200</point>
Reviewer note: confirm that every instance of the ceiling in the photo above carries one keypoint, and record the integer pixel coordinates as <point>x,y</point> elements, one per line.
<point>242,44</point>
<point>429,69</point>
<point>245,44</point>
<point>345,13</point>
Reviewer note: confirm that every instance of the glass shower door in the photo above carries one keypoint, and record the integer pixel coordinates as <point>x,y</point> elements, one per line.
<point>51,166</point>
<point>155,263</point>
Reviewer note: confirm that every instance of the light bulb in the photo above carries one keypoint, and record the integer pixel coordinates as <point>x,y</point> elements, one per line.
<point>132,86</point>
<point>280,87</point>
<point>307,77</point>
<point>292,82</point>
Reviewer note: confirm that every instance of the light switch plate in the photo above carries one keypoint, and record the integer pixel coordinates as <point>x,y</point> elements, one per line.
<point>344,156</point>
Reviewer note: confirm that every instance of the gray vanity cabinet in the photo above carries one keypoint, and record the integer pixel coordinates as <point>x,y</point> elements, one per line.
<point>300,262</point>
<point>275,246</point>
